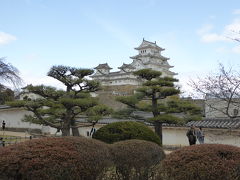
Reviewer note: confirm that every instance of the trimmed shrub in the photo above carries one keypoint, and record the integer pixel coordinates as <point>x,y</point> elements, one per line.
<point>119,131</point>
<point>198,162</point>
<point>136,159</point>
<point>74,158</point>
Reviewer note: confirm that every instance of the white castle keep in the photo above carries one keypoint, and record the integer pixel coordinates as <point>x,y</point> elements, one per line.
<point>149,57</point>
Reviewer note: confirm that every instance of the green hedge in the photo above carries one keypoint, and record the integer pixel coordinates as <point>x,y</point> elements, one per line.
<point>119,131</point>
<point>202,162</point>
<point>72,158</point>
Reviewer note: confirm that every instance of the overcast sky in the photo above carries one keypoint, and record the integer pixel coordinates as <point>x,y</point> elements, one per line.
<point>37,34</point>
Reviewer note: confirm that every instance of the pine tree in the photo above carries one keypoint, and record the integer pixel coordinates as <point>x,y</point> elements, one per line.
<point>160,96</point>
<point>6,94</point>
<point>60,108</point>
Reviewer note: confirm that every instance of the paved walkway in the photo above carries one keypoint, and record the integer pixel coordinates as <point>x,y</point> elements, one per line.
<point>11,133</point>
<point>23,134</point>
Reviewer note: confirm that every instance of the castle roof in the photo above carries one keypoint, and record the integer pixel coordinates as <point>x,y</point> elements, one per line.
<point>149,55</point>
<point>216,123</point>
<point>147,44</point>
<point>129,66</point>
<point>103,66</point>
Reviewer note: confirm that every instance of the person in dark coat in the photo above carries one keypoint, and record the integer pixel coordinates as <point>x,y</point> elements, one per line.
<point>3,125</point>
<point>191,134</point>
<point>93,130</point>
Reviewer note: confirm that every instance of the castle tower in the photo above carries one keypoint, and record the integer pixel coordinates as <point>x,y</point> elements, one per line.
<point>148,57</point>
<point>102,69</point>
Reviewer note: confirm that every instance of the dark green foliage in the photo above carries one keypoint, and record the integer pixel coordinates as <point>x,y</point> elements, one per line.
<point>119,131</point>
<point>179,105</point>
<point>122,114</point>
<point>167,118</point>
<point>74,158</point>
<point>147,74</point>
<point>136,159</point>
<point>6,94</point>
<point>198,162</point>
<point>129,100</point>
<point>95,113</point>
<point>59,108</point>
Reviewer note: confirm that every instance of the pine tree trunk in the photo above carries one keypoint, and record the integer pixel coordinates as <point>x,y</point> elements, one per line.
<point>158,130</point>
<point>65,131</point>
<point>155,111</point>
<point>75,131</point>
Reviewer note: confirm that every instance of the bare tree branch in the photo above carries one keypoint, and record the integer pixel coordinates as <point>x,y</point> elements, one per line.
<point>221,91</point>
<point>9,73</point>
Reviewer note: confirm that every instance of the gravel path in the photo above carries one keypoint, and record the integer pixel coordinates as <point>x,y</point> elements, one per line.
<point>11,133</point>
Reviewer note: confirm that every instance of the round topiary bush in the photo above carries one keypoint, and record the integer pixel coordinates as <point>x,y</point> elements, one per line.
<point>74,158</point>
<point>136,159</point>
<point>198,162</point>
<point>119,131</point>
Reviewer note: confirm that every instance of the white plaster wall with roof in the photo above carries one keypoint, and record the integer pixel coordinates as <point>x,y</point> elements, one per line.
<point>214,108</point>
<point>176,136</point>
<point>29,95</point>
<point>13,119</point>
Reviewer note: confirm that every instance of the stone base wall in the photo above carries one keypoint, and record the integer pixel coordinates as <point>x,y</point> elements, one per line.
<point>120,90</point>
<point>108,95</point>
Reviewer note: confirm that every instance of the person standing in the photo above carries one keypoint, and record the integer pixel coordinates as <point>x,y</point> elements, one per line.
<point>93,130</point>
<point>191,134</point>
<point>3,125</point>
<point>200,135</point>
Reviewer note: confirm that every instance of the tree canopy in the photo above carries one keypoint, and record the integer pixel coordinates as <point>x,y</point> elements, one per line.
<point>61,108</point>
<point>159,95</point>
<point>6,94</point>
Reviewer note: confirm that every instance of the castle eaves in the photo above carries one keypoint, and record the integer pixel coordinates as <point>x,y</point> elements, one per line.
<point>103,66</point>
<point>129,66</point>
<point>147,44</point>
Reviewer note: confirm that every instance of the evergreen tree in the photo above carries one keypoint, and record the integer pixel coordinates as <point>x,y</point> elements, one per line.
<point>60,108</point>
<point>6,94</point>
<point>160,96</point>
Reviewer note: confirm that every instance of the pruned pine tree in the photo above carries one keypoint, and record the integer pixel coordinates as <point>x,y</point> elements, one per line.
<point>6,94</point>
<point>160,96</point>
<point>61,108</point>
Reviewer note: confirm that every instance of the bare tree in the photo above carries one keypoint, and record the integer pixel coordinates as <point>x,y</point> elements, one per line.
<point>235,36</point>
<point>221,91</point>
<point>9,73</point>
